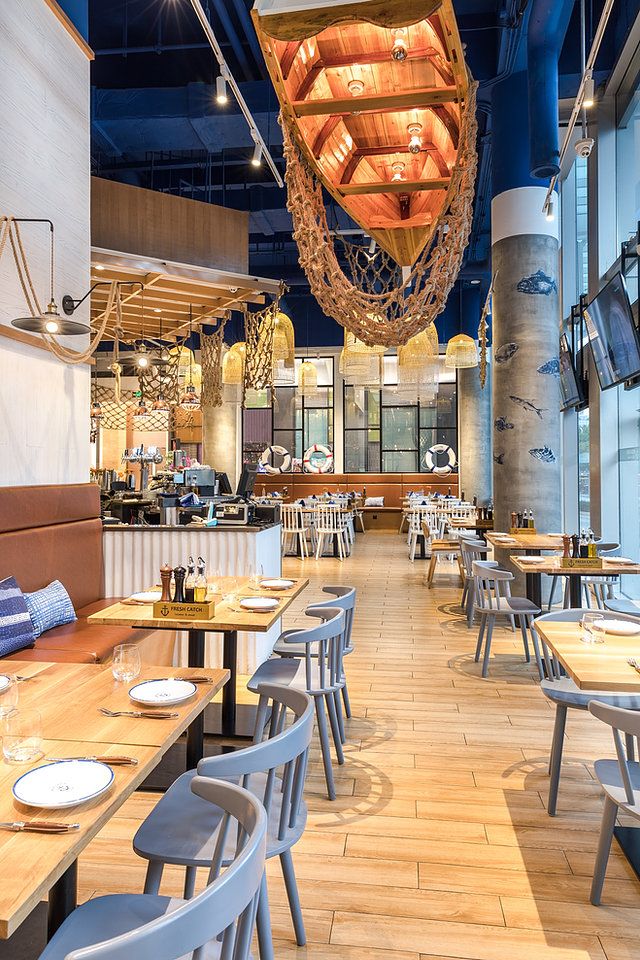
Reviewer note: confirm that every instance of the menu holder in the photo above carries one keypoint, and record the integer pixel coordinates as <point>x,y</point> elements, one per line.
<point>168,610</point>
<point>582,562</point>
<point>519,531</point>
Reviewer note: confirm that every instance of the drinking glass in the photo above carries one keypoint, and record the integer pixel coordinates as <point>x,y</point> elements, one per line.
<point>8,694</point>
<point>22,736</point>
<point>592,631</point>
<point>214,588</point>
<point>256,578</point>
<point>230,589</point>
<point>126,662</point>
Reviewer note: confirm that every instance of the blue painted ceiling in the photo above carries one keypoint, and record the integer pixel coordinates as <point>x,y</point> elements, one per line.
<point>156,124</point>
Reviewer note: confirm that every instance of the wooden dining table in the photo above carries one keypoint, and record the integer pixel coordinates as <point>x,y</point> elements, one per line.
<point>551,567</point>
<point>68,697</point>
<point>532,545</point>
<point>228,619</point>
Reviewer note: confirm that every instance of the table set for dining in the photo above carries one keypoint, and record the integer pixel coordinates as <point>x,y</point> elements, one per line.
<point>79,739</point>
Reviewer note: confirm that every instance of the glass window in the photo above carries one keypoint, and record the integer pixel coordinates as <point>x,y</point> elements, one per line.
<point>584,483</point>
<point>629,482</point>
<point>628,157</point>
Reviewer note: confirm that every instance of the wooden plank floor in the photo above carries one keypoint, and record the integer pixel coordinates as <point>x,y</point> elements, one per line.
<point>439,845</point>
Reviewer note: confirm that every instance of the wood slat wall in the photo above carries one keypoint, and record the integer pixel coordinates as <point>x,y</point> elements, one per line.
<point>134,220</point>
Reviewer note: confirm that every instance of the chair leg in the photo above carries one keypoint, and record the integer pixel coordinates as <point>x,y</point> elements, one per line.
<point>345,700</point>
<point>319,545</point>
<point>263,922</point>
<point>431,570</point>
<point>471,597</point>
<point>483,623</point>
<point>604,847</point>
<point>189,882</point>
<point>525,639</point>
<point>338,703</point>
<point>554,584</point>
<point>536,647</point>
<point>463,598</point>
<point>154,876</point>
<point>487,648</point>
<point>286,862</point>
<point>412,547</point>
<point>555,762</point>
<point>323,733</point>
<point>335,729</point>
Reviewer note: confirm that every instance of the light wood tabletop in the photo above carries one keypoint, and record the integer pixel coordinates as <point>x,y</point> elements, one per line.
<point>551,566</point>
<point>68,697</point>
<point>593,666</point>
<point>527,541</point>
<point>228,615</point>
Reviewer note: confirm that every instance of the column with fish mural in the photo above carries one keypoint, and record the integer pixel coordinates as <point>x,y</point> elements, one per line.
<point>474,411</point>
<point>525,266</point>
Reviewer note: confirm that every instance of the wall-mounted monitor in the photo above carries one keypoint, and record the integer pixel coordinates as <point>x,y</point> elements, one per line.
<point>571,392</point>
<point>613,335</point>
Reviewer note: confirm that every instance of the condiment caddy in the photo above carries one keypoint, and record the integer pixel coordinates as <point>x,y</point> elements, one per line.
<point>523,522</point>
<point>184,593</point>
<point>580,551</point>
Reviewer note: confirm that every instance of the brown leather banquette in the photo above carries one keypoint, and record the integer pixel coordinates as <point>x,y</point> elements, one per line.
<point>394,487</point>
<point>55,533</point>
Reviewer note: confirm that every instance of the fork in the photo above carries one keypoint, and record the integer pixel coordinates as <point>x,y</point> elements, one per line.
<point>146,714</point>
<point>634,663</point>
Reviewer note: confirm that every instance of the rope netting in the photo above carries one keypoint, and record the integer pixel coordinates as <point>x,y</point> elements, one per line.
<point>211,360</point>
<point>388,318</point>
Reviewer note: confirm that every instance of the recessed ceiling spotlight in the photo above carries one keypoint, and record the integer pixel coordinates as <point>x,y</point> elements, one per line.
<point>98,266</point>
<point>475,282</point>
<point>157,310</point>
<point>356,87</point>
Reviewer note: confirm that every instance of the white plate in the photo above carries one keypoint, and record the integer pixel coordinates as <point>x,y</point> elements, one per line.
<point>161,693</point>
<point>147,596</point>
<point>259,604</point>
<point>65,783</point>
<point>621,628</point>
<point>277,584</point>
<point>624,561</point>
<point>505,540</point>
<point>533,559</point>
<point>5,681</point>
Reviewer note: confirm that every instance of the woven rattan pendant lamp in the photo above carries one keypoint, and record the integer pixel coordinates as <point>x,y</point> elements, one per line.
<point>233,364</point>
<point>462,352</point>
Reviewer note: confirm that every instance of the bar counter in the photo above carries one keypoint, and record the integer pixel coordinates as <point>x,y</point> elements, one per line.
<point>133,556</point>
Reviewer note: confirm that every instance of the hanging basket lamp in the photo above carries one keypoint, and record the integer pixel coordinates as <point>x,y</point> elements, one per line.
<point>307,378</point>
<point>284,375</point>
<point>360,364</point>
<point>462,352</point>
<point>233,364</point>
<point>141,413</point>
<point>160,405</point>
<point>283,340</point>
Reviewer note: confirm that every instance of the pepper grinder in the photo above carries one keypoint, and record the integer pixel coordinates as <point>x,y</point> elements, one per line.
<point>575,546</point>
<point>166,572</point>
<point>179,574</point>
<point>514,519</point>
<point>566,545</point>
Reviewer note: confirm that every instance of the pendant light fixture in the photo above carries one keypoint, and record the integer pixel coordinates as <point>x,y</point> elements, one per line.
<point>49,321</point>
<point>307,378</point>
<point>160,405</point>
<point>462,352</point>
<point>233,364</point>
<point>190,399</point>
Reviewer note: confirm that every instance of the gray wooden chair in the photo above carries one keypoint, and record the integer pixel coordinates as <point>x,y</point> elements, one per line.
<point>492,602</point>
<point>320,674</point>
<point>620,780</point>
<point>220,919</point>
<point>562,691</point>
<point>345,599</point>
<point>470,549</point>
<point>182,830</point>
<point>622,605</point>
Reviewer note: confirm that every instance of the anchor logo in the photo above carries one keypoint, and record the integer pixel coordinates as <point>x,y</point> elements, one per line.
<point>165,610</point>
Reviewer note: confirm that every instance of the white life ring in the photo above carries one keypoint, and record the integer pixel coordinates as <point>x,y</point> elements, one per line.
<point>431,455</point>
<point>286,461</point>
<point>323,466</point>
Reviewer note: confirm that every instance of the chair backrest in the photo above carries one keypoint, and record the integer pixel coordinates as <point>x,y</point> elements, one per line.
<point>324,648</point>
<point>327,518</point>
<point>471,550</point>
<point>492,584</point>
<point>291,516</point>
<point>227,906</point>
<point>621,721</point>
<point>344,599</point>
<point>555,671</point>
<point>288,735</point>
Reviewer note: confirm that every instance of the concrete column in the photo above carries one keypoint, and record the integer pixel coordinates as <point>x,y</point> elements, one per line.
<point>525,263</point>
<point>474,435</point>
<point>221,438</point>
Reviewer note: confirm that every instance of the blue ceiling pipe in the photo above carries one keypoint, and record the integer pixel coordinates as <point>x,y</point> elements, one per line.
<point>548,22</point>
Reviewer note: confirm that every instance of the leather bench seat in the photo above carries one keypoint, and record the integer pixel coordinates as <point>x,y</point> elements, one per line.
<point>81,641</point>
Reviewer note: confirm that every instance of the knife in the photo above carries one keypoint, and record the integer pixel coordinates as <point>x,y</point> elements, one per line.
<point>194,679</point>
<point>39,826</point>
<point>112,761</point>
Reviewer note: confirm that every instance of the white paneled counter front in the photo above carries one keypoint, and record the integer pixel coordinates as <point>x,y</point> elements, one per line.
<point>133,557</point>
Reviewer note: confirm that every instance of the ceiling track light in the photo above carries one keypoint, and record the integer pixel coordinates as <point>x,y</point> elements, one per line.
<point>222,96</point>
<point>589,94</point>
<point>256,159</point>
<point>549,210</point>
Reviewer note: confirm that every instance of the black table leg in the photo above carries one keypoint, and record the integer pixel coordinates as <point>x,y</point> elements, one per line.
<point>195,730</point>
<point>423,546</point>
<point>63,898</point>
<point>336,551</point>
<point>534,582</point>
<point>575,591</point>
<point>230,663</point>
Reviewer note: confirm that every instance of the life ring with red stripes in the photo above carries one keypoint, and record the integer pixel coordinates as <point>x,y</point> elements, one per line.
<point>313,464</point>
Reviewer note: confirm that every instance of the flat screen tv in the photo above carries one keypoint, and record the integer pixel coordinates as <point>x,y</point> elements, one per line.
<point>613,335</point>
<point>570,387</point>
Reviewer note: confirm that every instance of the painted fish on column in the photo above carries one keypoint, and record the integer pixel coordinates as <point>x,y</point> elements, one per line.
<point>504,353</point>
<point>502,424</point>
<point>551,367</point>
<point>544,454</point>
<point>529,406</point>
<point>498,458</point>
<point>538,283</point>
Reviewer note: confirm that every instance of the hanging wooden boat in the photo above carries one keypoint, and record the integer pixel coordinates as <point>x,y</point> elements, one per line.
<point>372,91</point>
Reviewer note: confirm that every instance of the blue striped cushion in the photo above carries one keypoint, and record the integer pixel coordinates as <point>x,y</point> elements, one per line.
<point>16,628</point>
<point>50,607</point>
